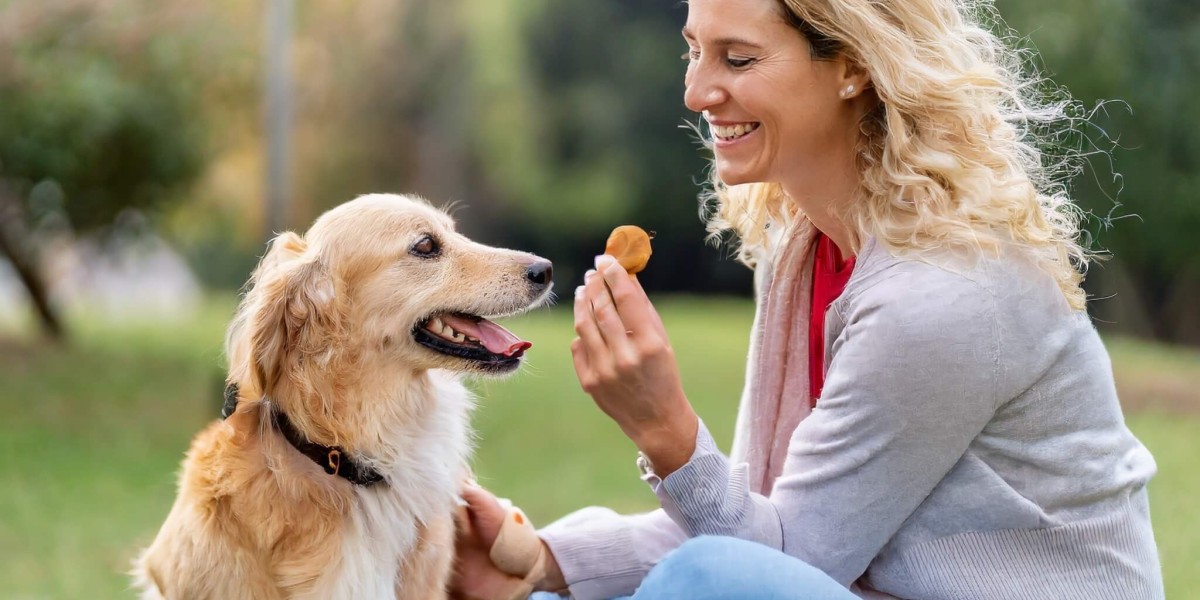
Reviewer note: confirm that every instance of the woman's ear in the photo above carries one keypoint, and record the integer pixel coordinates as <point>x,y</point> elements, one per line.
<point>294,311</point>
<point>853,79</point>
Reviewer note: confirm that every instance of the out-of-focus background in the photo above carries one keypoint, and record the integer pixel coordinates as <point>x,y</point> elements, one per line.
<point>149,147</point>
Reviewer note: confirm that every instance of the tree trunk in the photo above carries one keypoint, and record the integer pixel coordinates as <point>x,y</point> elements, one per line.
<point>1182,307</point>
<point>14,245</point>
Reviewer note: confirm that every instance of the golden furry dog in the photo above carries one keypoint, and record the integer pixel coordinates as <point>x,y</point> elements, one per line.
<point>336,473</point>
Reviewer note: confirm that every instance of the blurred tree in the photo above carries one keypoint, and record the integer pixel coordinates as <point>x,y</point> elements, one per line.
<point>97,119</point>
<point>1138,63</point>
<point>550,122</point>
<point>583,127</point>
<point>385,113</point>
<point>554,121</point>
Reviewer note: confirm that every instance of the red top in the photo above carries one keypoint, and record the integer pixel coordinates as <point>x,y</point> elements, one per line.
<point>830,274</point>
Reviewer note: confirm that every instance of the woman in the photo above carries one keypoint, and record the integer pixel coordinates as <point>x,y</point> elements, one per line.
<point>929,412</point>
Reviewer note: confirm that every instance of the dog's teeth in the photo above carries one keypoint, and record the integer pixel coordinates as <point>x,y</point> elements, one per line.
<point>458,337</point>
<point>435,324</point>
<point>471,339</point>
<point>447,331</point>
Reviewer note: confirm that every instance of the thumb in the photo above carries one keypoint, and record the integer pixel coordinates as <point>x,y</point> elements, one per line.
<point>486,513</point>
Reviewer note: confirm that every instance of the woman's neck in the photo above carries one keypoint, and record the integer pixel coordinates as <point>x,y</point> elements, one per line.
<point>824,207</point>
<point>822,188</point>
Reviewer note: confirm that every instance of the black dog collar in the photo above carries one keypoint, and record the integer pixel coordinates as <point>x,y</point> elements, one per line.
<point>334,460</point>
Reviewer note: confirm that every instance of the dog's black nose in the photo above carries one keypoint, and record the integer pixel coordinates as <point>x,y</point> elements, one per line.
<point>540,273</point>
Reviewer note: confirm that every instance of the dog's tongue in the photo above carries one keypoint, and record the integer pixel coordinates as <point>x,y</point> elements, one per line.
<point>495,338</point>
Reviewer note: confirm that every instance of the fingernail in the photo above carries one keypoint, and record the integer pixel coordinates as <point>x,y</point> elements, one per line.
<point>579,293</point>
<point>604,261</point>
<point>587,276</point>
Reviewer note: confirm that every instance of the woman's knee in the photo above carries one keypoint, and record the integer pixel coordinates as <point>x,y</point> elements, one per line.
<point>708,553</point>
<point>704,562</point>
<point>724,568</point>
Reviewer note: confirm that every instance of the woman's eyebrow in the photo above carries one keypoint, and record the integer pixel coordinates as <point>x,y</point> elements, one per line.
<point>724,42</point>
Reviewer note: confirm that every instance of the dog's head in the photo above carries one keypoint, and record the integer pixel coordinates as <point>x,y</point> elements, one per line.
<point>382,280</point>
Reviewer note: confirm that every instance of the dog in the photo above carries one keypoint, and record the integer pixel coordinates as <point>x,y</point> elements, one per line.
<point>336,472</point>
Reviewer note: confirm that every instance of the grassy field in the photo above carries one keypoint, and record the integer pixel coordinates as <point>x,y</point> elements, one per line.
<point>92,435</point>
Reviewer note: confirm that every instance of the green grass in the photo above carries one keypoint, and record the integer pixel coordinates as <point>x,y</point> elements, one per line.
<point>91,436</point>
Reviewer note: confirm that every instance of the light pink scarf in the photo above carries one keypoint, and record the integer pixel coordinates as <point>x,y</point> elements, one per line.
<point>775,398</point>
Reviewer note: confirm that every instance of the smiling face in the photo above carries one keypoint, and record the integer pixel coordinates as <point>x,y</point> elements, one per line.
<point>382,284</point>
<point>774,111</point>
<point>421,292</point>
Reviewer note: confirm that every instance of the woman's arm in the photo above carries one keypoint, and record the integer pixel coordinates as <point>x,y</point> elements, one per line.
<point>625,362</point>
<point>915,376</point>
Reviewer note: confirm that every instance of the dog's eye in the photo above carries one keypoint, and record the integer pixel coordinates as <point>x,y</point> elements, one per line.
<point>425,247</point>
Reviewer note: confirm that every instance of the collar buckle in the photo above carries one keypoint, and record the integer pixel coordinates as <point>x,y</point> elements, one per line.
<point>334,463</point>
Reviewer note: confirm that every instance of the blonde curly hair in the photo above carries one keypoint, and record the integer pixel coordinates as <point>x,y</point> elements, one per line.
<point>951,156</point>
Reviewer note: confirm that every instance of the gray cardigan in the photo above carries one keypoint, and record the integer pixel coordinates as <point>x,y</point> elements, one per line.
<point>968,444</point>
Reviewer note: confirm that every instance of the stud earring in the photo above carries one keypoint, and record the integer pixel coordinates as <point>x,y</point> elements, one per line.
<point>846,92</point>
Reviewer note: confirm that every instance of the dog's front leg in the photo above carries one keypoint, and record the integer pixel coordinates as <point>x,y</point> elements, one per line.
<point>425,573</point>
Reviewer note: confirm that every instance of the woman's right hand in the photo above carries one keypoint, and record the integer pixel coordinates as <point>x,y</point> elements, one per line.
<point>475,577</point>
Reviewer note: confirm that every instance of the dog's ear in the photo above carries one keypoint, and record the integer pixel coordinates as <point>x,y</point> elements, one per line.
<point>295,313</point>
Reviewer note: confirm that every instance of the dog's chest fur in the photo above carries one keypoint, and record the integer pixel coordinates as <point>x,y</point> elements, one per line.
<point>257,520</point>
<point>379,539</point>
<point>396,533</point>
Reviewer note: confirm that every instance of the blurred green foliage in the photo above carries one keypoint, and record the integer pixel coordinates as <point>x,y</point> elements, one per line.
<point>1143,56</point>
<point>97,115</point>
<point>545,123</point>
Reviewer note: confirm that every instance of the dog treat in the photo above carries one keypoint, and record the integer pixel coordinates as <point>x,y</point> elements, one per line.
<point>630,245</point>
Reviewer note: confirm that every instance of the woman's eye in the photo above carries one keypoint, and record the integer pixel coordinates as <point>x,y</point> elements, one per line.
<point>693,55</point>
<point>425,247</point>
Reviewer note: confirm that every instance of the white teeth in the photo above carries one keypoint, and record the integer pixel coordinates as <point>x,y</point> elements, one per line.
<point>445,331</point>
<point>733,131</point>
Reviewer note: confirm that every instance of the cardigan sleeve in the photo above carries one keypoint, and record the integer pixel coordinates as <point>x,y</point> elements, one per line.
<point>913,378</point>
<point>603,554</point>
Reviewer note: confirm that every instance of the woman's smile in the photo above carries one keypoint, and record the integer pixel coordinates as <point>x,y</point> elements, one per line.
<point>728,133</point>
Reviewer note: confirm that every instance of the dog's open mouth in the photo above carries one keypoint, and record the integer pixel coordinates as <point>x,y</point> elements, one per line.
<point>472,338</point>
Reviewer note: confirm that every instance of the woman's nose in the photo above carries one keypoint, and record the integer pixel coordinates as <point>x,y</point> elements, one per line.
<point>701,90</point>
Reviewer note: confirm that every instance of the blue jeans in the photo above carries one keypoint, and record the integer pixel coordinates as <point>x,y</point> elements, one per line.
<point>724,568</point>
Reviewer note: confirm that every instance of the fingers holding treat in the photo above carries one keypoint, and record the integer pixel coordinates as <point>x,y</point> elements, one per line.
<point>629,245</point>
<point>623,358</point>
